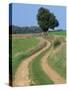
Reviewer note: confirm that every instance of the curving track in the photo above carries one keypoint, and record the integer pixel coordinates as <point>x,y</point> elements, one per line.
<point>53,75</point>
<point>22,73</point>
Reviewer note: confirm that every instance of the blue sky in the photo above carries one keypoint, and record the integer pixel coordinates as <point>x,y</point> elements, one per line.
<point>25,14</point>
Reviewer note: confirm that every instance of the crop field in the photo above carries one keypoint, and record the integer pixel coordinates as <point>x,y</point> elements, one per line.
<point>35,69</point>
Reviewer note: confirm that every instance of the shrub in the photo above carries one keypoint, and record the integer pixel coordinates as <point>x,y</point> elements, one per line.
<point>56,43</point>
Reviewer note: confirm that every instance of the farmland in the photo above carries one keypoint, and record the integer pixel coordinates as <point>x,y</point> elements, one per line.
<point>35,66</point>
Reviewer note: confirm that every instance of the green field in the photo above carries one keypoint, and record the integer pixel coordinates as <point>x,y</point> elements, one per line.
<point>62,33</point>
<point>58,61</point>
<point>21,45</point>
<point>20,51</point>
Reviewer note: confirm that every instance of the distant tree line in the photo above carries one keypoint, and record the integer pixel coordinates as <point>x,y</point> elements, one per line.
<point>24,30</point>
<point>27,30</point>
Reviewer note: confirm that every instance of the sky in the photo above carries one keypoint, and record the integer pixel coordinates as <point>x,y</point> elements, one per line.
<point>26,14</point>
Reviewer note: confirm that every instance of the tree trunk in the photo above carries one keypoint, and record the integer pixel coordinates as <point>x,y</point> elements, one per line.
<point>45,33</point>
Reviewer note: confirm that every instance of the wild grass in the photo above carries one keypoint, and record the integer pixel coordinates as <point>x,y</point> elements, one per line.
<point>58,61</point>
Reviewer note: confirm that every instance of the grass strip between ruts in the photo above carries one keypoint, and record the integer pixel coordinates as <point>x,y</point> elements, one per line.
<point>36,74</point>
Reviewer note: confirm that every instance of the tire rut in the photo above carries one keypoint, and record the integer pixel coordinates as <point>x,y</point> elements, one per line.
<point>53,75</point>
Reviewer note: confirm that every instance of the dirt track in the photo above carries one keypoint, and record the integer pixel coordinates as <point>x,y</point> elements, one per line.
<point>22,74</point>
<point>53,75</point>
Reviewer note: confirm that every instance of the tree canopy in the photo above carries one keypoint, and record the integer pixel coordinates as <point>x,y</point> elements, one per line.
<point>46,19</point>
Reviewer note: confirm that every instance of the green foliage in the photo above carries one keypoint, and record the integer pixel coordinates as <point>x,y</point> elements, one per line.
<point>56,43</point>
<point>43,18</point>
<point>53,21</point>
<point>46,19</point>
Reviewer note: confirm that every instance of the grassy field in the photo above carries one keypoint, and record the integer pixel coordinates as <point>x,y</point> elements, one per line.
<point>21,45</point>
<point>58,61</point>
<point>36,73</point>
<point>20,50</point>
<point>62,33</point>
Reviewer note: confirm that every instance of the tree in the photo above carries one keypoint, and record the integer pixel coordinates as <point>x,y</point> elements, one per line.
<point>53,22</point>
<point>46,19</point>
